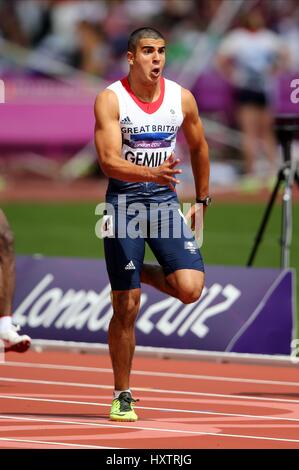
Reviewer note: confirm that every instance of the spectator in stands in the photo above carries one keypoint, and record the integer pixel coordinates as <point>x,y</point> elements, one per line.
<point>94,51</point>
<point>249,57</point>
<point>10,26</point>
<point>117,25</point>
<point>288,28</point>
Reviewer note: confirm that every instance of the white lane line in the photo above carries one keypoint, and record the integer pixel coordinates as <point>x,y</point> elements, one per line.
<point>171,410</point>
<point>151,390</point>
<point>156,374</point>
<point>103,425</point>
<point>144,428</point>
<point>53,443</point>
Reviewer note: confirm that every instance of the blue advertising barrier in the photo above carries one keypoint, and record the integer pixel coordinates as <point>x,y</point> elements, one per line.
<point>245,310</point>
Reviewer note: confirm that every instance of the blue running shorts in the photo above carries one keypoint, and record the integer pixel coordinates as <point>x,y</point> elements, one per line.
<point>129,226</point>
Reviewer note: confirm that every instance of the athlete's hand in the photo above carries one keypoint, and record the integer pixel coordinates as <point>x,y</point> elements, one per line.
<point>165,173</point>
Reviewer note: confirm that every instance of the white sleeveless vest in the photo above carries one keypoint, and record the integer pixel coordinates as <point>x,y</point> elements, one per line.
<point>148,138</point>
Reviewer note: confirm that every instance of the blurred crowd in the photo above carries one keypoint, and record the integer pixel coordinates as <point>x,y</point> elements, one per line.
<point>91,35</point>
<point>245,52</point>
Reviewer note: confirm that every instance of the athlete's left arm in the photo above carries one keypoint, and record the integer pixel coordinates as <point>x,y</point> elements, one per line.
<point>198,147</point>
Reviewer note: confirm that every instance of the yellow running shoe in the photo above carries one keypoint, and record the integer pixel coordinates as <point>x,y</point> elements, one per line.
<point>122,408</point>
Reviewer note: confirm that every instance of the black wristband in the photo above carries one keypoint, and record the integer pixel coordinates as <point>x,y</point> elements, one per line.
<point>206,201</point>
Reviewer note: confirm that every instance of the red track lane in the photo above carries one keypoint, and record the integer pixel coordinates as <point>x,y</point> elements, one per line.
<point>62,400</point>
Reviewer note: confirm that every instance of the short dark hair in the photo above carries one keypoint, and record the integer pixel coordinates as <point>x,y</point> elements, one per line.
<point>141,33</point>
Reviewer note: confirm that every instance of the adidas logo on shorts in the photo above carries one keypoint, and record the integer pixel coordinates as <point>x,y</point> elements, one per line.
<point>130,265</point>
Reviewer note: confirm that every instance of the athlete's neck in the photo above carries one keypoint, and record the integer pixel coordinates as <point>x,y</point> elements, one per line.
<point>147,92</point>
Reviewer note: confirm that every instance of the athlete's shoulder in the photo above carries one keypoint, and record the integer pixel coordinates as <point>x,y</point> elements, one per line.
<point>106,103</point>
<point>109,94</point>
<point>189,104</point>
<point>187,97</point>
<point>115,86</point>
<point>110,91</point>
<point>171,83</point>
<point>186,94</point>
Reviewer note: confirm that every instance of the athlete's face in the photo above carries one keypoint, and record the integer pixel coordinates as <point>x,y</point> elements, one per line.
<point>148,59</point>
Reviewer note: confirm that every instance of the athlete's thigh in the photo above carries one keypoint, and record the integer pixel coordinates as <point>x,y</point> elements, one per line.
<point>124,253</point>
<point>174,245</point>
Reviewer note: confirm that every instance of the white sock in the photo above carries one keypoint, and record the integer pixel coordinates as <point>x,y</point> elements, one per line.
<point>116,393</point>
<point>5,323</point>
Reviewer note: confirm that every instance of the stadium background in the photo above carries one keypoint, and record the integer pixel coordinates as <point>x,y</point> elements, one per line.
<point>57,55</point>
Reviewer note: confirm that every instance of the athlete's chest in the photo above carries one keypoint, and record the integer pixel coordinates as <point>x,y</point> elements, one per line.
<point>135,121</point>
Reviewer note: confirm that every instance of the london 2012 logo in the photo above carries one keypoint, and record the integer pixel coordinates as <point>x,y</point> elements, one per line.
<point>2,92</point>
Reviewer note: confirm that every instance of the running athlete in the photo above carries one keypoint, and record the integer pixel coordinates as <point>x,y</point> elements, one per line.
<point>137,120</point>
<point>8,331</point>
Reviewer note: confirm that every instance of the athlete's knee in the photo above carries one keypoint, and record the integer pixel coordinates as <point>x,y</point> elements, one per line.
<point>190,293</point>
<point>126,306</point>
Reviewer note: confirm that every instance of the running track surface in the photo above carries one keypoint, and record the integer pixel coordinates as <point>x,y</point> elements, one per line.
<point>62,400</point>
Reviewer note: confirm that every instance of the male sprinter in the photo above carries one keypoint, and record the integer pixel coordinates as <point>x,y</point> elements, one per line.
<point>137,120</point>
<point>8,332</point>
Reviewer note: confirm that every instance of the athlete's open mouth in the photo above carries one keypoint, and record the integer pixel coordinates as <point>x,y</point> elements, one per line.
<point>156,71</point>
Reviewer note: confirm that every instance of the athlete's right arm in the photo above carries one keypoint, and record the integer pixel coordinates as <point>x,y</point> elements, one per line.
<point>108,141</point>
